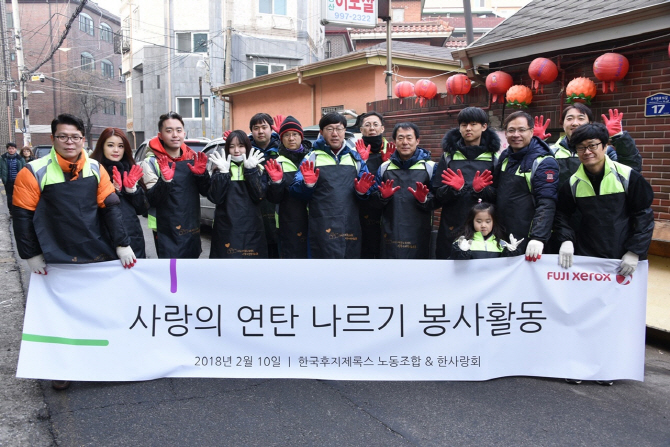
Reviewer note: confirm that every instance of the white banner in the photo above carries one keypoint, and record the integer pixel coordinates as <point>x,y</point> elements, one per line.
<point>335,319</point>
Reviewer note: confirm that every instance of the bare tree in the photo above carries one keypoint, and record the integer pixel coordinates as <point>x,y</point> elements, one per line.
<point>91,96</point>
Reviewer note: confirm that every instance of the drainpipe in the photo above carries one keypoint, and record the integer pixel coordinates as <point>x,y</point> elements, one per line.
<point>312,89</point>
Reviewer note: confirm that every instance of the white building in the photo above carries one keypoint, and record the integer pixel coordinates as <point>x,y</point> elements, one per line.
<point>163,40</point>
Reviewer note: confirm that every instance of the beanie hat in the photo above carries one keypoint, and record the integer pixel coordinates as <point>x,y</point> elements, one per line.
<point>290,123</point>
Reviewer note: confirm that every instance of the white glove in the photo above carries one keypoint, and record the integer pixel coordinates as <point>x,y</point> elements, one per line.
<point>534,250</point>
<point>222,163</point>
<point>513,243</point>
<point>464,244</point>
<point>628,263</point>
<point>37,264</point>
<point>566,254</point>
<point>255,157</point>
<point>127,256</point>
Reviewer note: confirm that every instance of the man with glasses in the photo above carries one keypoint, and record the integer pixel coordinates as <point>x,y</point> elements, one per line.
<point>526,183</point>
<point>332,179</point>
<point>375,150</point>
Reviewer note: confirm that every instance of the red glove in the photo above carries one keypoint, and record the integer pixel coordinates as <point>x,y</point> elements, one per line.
<point>167,171</point>
<point>116,179</point>
<point>453,179</point>
<point>613,124</point>
<point>386,189</point>
<point>362,149</point>
<point>226,133</point>
<point>308,173</point>
<point>421,193</point>
<point>278,120</point>
<point>540,127</point>
<point>390,149</point>
<point>131,178</point>
<point>365,183</point>
<point>274,170</point>
<point>482,181</point>
<point>200,164</point>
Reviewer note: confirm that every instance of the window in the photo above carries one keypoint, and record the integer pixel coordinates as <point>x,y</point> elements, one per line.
<point>192,42</point>
<point>87,62</point>
<point>122,109</point>
<point>86,23</point>
<point>10,20</point>
<point>328,52</point>
<point>158,81</point>
<point>398,15</point>
<point>190,107</point>
<point>272,7</point>
<point>107,69</point>
<point>106,32</point>
<point>141,86</point>
<point>263,69</point>
<point>109,107</point>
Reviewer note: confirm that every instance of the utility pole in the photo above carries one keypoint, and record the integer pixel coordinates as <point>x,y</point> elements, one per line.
<point>226,75</point>
<point>7,82</point>
<point>23,75</point>
<point>389,62</point>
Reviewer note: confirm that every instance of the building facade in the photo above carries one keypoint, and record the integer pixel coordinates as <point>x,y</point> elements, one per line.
<point>82,77</point>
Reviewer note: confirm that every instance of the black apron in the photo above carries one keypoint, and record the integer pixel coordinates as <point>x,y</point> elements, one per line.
<point>178,219</point>
<point>515,206</point>
<point>293,223</point>
<point>133,226</point>
<point>68,225</point>
<point>371,218</point>
<point>268,211</point>
<point>603,237</point>
<point>238,230</point>
<point>405,226</point>
<point>334,226</point>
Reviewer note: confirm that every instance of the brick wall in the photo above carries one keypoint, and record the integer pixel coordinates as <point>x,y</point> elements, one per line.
<point>412,9</point>
<point>649,73</point>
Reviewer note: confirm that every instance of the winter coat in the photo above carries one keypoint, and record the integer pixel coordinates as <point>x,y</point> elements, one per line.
<point>4,166</point>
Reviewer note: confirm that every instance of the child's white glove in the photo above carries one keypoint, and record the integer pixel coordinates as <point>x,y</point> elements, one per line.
<point>513,243</point>
<point>464,244</point>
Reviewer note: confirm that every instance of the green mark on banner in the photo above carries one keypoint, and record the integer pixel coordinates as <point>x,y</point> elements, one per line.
<point>64,341</point>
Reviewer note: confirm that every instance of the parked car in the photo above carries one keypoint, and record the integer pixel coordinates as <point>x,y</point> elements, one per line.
<point>41,150</point>
<point>197,144</point>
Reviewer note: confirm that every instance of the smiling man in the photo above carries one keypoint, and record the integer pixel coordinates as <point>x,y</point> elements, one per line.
<point>614,201</point>
<point>463,174</point>
<point>526,182</point>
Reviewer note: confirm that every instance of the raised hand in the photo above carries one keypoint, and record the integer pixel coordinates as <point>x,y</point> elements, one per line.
<point>421,193</point>
<point>116,179</point>
<point>390,149</point>
<point>386,189</point>
<point>254,159</point>
<point>308,173</point>
<point>226,133</point>
<point>453,179</point>
<point>365,183</point>
<point>362,149</point>
<point>167,170</point>
<point>540,127</point>
<point>274,170</point>
<point>131,178</point>
<point>482,181</point>
<point>613,124</point>
<point>278,120</point>
<point>200,163</point>
<point>220,162</point>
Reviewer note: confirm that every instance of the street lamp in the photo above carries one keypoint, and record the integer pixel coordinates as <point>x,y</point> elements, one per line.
<point>202,69</point>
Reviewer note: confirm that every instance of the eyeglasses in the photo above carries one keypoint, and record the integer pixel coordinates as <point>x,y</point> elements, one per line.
<point>591,147</point>
<point>334,129</point>
<point>372,125</point>
<point>519,131</point>
<point>65,138</point>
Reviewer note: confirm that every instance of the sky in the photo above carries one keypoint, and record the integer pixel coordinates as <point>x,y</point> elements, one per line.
<point>110,5</point>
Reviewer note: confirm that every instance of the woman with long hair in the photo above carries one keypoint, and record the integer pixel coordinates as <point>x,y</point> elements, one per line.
<point>113,152</point>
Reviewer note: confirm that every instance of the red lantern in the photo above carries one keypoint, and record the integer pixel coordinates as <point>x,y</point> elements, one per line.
<point>404,89</point>
<point>497,83</point>
<point>519,96</point>
<point>542,71</point>
<point>610,67</point>
<point>425,90</point>
<point>581,90</point>
<point>458,85</point>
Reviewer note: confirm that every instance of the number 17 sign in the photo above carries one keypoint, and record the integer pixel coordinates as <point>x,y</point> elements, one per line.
<point>350,13</point>
<point>657,105</point>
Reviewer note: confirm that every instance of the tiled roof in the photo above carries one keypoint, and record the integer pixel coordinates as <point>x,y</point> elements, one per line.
<point>540,16</point>
<point>435,26</point>
<point>415,48</point>
<point>477,22</point>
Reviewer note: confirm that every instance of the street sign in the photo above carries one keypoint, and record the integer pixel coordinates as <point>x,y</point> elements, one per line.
<point>350,13</point>
<point>657,105</point>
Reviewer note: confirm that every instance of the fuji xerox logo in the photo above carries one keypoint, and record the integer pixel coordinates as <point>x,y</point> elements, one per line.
<point>587,277</point>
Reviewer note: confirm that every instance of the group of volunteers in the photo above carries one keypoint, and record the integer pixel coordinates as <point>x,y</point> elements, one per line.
<point>279,196</point>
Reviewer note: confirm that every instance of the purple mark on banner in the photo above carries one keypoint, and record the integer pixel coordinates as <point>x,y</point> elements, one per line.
<point>173,275</point>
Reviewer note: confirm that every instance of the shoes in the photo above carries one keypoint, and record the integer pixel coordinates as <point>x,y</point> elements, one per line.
<point>573,381</point>
<point>605,382</point>
<point>60,384</point>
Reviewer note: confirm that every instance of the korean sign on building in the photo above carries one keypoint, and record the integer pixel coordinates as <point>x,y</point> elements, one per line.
<point>350,13</point>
